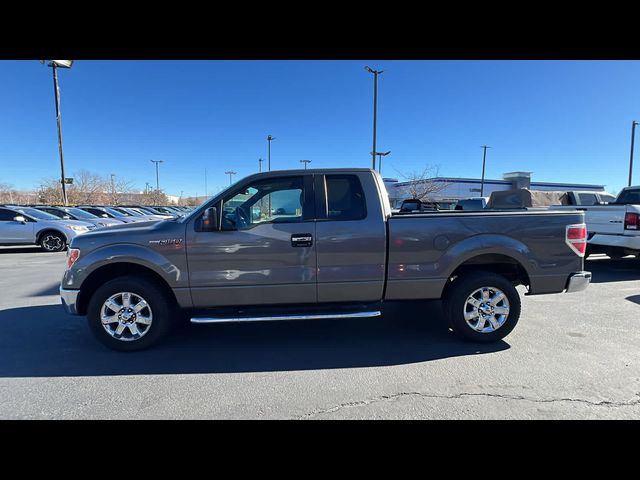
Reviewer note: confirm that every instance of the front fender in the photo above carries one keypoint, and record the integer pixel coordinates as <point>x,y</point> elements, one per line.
<point>171,271</point>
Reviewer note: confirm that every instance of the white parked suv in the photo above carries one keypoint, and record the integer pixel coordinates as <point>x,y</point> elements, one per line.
<point>29,226</point>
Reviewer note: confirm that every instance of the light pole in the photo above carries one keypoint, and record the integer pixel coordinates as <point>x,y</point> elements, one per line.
<point>380,155</point>
<point>205,183</point>
<point>375,111</point>
<point>157,174</point>
<point>484,158</point>
<point>633,136</point>
<point>260,160</point>
<point>231,174</point>
<point>113,189</point>
<point>305,163</point>
<point>269,139</point>
<point>54,64</point>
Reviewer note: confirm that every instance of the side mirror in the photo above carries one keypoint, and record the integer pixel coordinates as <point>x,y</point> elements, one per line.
<point>210,220</point>
<point>19,218</point>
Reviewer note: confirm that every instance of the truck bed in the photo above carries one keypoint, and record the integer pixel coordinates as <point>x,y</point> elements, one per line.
<point>426,249</point>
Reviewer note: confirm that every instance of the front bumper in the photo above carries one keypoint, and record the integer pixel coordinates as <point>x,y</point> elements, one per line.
<point>69,300</point>
<point>578,282</point>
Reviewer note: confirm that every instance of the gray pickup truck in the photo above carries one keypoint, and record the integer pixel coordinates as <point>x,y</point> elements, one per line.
<point>313,244</point>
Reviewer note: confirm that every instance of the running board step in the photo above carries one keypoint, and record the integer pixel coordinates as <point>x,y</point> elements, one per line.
<point>270,318</point>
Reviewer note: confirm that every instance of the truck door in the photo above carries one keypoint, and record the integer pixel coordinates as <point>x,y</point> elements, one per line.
<point>350,238</point>
<point>15,232</point>
<point>266,250</point>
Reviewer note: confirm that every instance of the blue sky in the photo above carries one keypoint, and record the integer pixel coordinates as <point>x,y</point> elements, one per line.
<point>566,121</point>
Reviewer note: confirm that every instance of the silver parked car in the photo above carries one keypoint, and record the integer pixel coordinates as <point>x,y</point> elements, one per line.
<point>29,226</point>
<point>109,212</point>
<point>73,213</point>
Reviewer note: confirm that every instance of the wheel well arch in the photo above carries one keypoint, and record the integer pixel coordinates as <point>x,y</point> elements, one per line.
<point>44,231</point>
<point>115,270</point>
<point>498,263</point>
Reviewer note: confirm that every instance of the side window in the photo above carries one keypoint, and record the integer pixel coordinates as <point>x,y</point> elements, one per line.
<point>7,215</point>
<point>345,198</point>
<point>587,199</point>
<point>276,200</point>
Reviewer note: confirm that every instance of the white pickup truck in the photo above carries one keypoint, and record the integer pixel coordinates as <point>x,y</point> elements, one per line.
<point>614,228</point>
<point>613,223</point>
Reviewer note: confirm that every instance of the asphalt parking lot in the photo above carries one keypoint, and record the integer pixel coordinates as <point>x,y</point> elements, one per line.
<point>571,356</point>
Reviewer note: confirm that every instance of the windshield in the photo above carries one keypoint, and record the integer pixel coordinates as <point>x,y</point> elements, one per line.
<point>76,212</point>
<point>115,213</point>
<point>35,213</point>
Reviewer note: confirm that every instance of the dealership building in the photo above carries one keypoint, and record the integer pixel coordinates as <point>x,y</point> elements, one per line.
<point>453,188</point>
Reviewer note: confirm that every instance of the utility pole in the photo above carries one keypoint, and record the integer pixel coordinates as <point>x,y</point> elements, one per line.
<point>484,158</point>
<point>231,174</point>
<point>260,160</point>
<point>633,136</point>
<point>146,187</point>
<point>375,111</point>
<point>305,163</point>
<point>269,139</point>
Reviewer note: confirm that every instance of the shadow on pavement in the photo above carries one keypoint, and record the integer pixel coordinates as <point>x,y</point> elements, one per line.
<point>634,299</point>
<point>34,249</point>
<point>43,292</point>
<point>606,270</point>
<point>44,341</point>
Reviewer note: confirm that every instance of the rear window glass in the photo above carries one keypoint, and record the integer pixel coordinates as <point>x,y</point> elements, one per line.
<point>345,198</point>
<point>587,199</point>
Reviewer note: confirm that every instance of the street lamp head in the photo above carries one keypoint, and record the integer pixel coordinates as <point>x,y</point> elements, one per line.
<point>270,137</point>
<point>61,63</point>
<point>370,70</point>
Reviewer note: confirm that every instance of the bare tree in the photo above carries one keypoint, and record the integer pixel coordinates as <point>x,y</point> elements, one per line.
<point>7,193</point>
<point>123,192</point>
<point>88,187</point>
<point>421,185</point>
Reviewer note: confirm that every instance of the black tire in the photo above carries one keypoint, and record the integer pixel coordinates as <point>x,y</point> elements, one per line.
<point>53,242</point>
<point>160,307</point>
<point>455,304</point>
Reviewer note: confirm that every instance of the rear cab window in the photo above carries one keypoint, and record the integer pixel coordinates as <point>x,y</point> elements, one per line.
<point>345,198</point>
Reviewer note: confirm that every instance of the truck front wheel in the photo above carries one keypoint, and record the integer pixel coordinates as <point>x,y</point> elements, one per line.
<point>482,306</point>
<point>129,313</point>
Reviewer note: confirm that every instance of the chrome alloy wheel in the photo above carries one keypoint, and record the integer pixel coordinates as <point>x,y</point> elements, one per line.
<point>126,316</point>
<point>486,309</point>
<point>52,243</point>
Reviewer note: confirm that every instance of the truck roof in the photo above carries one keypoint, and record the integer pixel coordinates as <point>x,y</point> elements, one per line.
<point>312,170</point>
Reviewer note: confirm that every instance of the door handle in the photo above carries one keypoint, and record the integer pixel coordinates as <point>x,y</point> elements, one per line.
<point>301,240</point>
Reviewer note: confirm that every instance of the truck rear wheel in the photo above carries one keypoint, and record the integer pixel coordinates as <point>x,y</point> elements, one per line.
<point>129,313</point>
<point>482,306</point>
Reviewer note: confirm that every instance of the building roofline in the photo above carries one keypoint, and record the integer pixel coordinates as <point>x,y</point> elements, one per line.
<point>501,182</point>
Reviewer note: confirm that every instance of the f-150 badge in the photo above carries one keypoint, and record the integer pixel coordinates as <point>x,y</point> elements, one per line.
<point>166,241</point>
